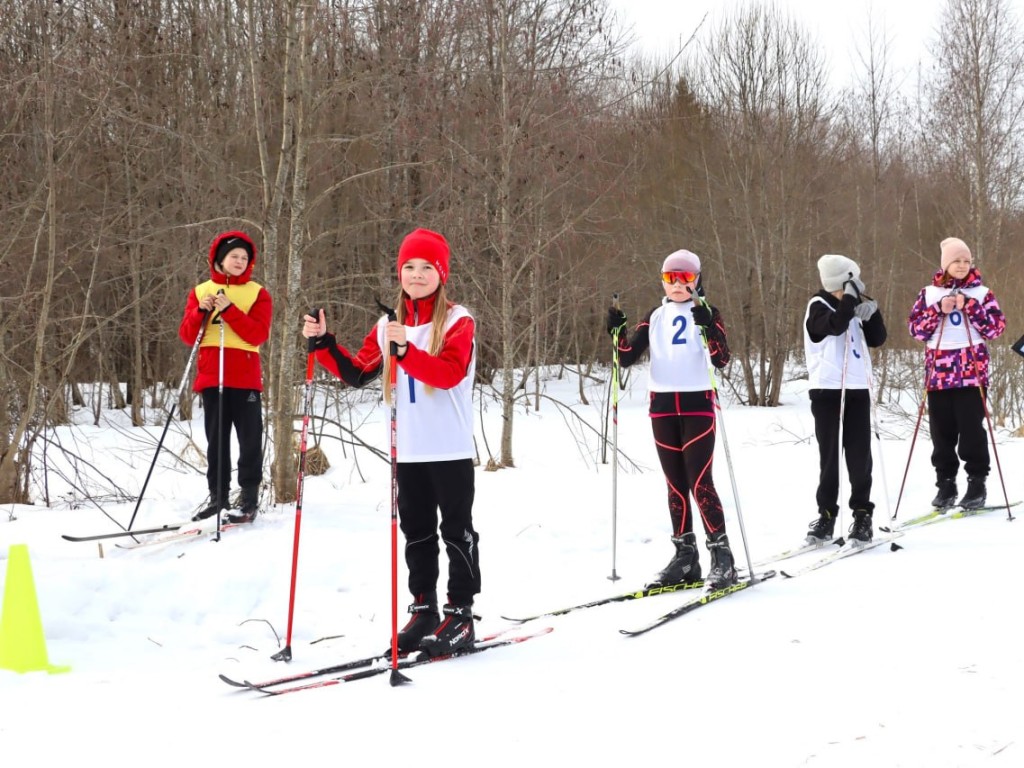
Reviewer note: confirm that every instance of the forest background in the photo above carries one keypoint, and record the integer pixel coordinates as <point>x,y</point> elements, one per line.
<point>561,166</point>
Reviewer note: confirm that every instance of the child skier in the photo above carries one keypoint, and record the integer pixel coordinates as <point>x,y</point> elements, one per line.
<point>682,411</point>
<point>840,319</point>
<point>436,363</point>
<point>232,300</point>
<point>953,316</point>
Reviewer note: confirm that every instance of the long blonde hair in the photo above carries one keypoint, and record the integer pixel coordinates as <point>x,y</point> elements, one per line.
<point>438,318</point>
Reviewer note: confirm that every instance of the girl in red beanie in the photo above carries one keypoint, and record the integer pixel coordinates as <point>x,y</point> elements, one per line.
<point>436,358</point>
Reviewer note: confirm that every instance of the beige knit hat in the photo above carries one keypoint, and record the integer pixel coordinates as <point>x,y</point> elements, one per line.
<point>952,247</point>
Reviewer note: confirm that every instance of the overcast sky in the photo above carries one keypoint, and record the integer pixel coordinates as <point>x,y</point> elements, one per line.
<point>661,26</point>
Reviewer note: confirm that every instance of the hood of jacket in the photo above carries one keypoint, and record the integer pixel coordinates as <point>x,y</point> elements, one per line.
<point>219,277</point>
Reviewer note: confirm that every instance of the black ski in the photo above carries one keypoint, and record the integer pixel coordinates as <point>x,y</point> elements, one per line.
<point>298,676</point>
<point>384,665</point>
<point>334,668</point>
<point>634,595</point>
<point>701,600</point>
<point>119,534</point>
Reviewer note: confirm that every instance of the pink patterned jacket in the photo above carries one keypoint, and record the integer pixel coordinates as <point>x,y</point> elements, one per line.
<point>952,364</point>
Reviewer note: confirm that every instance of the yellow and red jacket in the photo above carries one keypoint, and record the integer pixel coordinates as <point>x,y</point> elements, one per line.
<point>246,325</point>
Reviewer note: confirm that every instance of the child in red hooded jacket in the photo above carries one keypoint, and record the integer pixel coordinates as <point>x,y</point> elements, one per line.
<point>230,301</point>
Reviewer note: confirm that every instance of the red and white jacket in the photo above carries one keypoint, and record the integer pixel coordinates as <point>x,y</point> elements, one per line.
<point>434,392</point>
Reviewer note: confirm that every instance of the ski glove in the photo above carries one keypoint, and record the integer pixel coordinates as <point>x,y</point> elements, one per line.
<point>616,320</point>
<point>702,315</point>
<point>853,287</point>
<point>866,309</point>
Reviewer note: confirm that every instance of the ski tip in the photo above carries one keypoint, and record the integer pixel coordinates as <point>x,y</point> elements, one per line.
<point>259,689</point>
<point>397,678</point>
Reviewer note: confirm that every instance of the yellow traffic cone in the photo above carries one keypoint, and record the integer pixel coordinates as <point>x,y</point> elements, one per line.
<point>22,644</point>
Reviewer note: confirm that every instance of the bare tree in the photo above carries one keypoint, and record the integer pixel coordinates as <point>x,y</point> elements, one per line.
<point>766,165</point>
<point>976,118</point>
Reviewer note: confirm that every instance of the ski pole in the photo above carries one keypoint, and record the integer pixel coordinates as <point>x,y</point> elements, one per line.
<point>988,418</point>
<point>170,416</point>
<point>615,438</point>
<point>920,414</point>
<point>220,422</point>
<point>878,434</point>
<point>285,654</point>
<point>397,678</point>
<point>842,428</point>
<point>876,421</point>
<point>698,298</point>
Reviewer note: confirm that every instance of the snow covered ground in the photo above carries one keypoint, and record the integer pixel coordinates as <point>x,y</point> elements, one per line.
<point>907,658</point>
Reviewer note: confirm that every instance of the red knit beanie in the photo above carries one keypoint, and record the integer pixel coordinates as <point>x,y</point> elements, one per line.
<point>427,245</point>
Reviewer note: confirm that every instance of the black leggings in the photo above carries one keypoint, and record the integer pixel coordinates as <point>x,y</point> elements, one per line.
<point>686,448</point>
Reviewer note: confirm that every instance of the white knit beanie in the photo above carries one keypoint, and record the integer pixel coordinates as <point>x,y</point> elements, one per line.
<point>836,270</point>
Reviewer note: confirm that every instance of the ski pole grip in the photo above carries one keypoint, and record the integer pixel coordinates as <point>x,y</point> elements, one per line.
<point>311,341</point>
<point>392,317</point>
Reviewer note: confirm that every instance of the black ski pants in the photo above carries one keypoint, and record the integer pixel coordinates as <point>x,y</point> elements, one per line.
<point>956,419</point>
<point>856,444</point>
<point>243,411</point>
<point>423,489</point>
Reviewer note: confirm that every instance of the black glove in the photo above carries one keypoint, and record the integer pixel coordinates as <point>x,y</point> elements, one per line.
<point>702,315</point>
<point>616,319</point>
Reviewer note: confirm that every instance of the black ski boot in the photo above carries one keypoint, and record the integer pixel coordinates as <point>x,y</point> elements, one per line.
<point>683,568</point>
<point>975,495</point>
<point>210,509</point>
<point>248,506</point>
<point>821,530</point>
<point>860,531</point>
<point>454,632</point>
<point>946,497</point>
<point>723,569</point>
<point>424,620</point>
